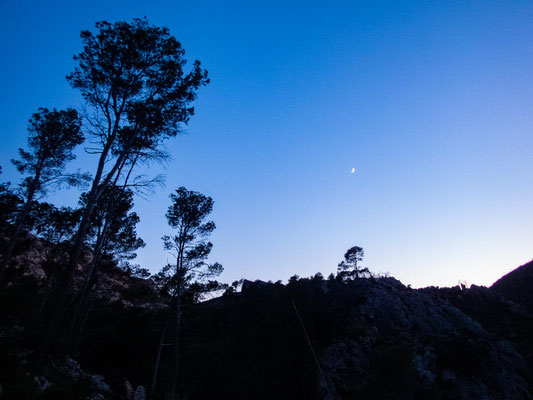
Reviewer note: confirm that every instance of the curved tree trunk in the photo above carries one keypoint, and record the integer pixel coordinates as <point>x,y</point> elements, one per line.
<point>66,279</point>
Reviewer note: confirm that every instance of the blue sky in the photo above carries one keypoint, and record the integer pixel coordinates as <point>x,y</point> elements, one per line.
<point>430,102</point>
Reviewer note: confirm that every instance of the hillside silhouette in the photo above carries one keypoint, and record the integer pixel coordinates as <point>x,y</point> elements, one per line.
<point>313,338</point>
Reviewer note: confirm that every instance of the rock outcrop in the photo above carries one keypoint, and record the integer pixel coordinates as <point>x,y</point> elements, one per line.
<point>439,349</point>
<point>516,285</point>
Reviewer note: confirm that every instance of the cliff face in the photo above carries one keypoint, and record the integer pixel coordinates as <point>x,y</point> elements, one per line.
<point>439,350</point>
<point>371,338</point>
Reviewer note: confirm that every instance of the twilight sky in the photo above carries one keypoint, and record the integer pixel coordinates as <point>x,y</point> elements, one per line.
<point>430,102</point>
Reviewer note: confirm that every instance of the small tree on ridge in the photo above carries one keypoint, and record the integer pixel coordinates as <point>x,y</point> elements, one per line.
<point>348,268</point>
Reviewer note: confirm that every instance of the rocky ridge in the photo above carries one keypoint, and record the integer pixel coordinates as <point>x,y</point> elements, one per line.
<point>371,338</point>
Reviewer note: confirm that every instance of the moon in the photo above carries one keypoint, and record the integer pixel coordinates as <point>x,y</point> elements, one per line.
<point>353,170</point>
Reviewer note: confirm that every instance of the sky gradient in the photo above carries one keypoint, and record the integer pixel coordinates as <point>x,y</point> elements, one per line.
<point>430,102</point>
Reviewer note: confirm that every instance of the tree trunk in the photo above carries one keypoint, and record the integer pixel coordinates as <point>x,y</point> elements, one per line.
<point>157,359</point>
<point>44,300</point>
<point>317,363</point>
<point>74,255</point>
<point>84,293</point>
<point>97,187</point>
<point>64,286</point>
<point>49,284</point>
<point>172,394</point>
<point>85,312</point>
<point>81,303</point>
